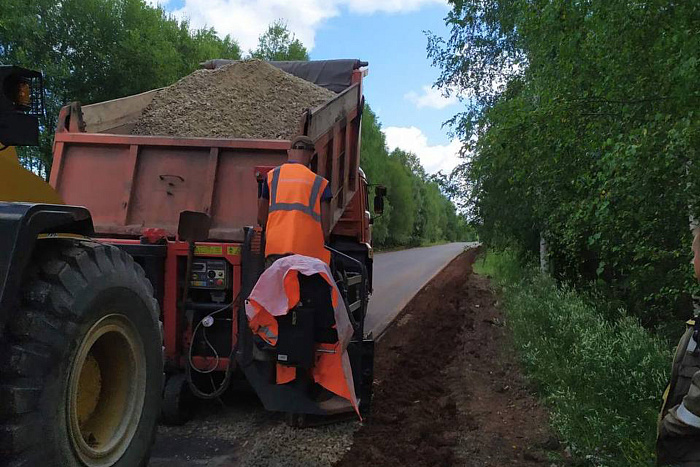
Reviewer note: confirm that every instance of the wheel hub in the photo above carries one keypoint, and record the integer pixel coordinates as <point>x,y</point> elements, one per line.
<point>106,391</point>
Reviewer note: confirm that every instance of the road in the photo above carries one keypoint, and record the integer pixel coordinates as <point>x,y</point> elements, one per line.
<point>399,275</point>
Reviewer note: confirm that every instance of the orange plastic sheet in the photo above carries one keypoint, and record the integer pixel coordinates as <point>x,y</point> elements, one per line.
<point>276,292</point>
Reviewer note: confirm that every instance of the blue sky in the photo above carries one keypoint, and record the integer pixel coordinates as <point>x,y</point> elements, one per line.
<point>389,34</point>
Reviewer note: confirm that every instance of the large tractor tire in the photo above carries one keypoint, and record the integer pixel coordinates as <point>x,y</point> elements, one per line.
<point>81,374</point>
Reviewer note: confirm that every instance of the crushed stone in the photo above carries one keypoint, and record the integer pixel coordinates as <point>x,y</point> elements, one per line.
<point>247,99</point>
<point>241,433</point>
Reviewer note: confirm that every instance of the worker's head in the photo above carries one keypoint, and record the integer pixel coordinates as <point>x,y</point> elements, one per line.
<point>301,150</point>
<point>696,251</point>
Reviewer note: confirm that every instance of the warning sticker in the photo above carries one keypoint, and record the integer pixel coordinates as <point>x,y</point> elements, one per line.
<point>208,250</point>
<point>233,250</point>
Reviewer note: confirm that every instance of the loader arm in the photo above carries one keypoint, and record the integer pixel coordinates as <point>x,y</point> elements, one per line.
<point>17,184</point>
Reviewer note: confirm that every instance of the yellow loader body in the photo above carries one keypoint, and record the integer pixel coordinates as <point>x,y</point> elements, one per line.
<point>18,184</point>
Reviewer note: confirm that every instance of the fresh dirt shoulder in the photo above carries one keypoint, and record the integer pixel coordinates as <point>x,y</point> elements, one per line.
<point>448,388</point>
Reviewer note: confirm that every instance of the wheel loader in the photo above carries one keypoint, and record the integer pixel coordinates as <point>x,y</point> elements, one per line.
<point>121,306</point>
<point>81,367</point>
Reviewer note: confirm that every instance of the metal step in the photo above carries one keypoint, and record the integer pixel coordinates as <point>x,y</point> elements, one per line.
<point>355,306</point>
<point>355,280</point>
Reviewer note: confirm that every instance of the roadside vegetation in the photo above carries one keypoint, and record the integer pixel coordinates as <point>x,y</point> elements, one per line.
<point>601,376</point>
<point>582,128</point>
<point>581,133</point>
<point>418,210</point>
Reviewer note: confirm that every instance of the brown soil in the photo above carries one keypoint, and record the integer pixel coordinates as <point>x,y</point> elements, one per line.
<point>250,99</point>
<point>448,388</point>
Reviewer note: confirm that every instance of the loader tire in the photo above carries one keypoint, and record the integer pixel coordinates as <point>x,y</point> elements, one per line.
<point>82,366</point>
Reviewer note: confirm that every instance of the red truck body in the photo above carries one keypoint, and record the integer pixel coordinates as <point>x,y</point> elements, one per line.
<point>136,187</point>
<point>131,182</point>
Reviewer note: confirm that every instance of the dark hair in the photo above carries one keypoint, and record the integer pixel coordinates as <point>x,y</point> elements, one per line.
<point>303,142</point>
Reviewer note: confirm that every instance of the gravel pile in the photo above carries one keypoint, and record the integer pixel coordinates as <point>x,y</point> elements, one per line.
<point>243,434</point>
<point>308,447</point>
<point>248,99</point>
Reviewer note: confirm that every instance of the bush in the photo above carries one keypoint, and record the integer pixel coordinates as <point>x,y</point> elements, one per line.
<point>601,379</point>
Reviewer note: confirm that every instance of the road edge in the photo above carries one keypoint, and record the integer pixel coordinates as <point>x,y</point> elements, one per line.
<point>403,305</point>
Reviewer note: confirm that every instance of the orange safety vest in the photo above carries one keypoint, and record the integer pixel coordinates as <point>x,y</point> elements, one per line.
<point>294,216</point>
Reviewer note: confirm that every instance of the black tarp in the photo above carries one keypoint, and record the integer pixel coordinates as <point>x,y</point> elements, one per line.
<point>334,75</point>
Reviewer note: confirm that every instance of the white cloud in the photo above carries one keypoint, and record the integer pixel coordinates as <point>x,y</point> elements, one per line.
<point>387,6</point>
<point>245,20</point>
<point>432,98</point>
<point>433,158</point>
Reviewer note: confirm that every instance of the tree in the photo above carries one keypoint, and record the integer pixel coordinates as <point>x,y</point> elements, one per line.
<point>279,44</point>
<point>96,50</point>
<point>401,181</point>
<point>587,133</point>
<point>416,210</point>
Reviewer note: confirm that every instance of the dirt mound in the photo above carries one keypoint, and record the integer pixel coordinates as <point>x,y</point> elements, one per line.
<point>442,395</point>
<point>250,99</point>
<point>414,416</point>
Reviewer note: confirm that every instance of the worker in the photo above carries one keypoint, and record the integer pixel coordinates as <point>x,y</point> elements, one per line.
<point>678,440</point>
<point>294,207</point>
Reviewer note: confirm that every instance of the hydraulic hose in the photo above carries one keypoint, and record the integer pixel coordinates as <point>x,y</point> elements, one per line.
<point>218,391</point>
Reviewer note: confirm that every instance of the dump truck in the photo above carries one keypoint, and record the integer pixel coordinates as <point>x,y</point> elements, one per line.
<point>127,302</point>
<point>185,210</point>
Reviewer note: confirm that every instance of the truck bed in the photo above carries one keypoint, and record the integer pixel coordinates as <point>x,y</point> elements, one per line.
<point>131,182</point>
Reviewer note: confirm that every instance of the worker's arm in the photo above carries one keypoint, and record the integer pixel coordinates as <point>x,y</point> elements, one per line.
<point>263,204</point>
<point>326,219</point>
<point>326,198</point>
<point>263,209</point>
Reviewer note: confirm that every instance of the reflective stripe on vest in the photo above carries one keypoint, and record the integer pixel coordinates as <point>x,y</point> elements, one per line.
<point>306,209</point>
<point>687,417</point>
<point>269,333</point>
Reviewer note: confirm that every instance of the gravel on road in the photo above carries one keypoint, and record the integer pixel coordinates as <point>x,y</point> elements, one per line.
<point>239,432</point>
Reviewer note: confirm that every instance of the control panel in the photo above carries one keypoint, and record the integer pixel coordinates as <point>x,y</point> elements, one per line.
<point>209,273</point>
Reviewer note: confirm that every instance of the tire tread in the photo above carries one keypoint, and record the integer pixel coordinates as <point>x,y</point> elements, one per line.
<point>41,328</point>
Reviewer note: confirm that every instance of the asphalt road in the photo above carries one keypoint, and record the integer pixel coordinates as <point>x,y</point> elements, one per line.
<point>399,275</point>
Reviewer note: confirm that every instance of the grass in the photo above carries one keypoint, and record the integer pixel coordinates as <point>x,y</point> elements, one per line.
<point>601,379</point>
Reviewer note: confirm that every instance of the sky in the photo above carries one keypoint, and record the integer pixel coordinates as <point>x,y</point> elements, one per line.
<point>389,34</point>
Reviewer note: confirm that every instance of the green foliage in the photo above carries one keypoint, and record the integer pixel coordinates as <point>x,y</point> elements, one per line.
<point>400,196</point>
<point>278,43</point>
<point>96,50</point>
<point>416,210</point>
<point>587,132</point>
<point>601,379</point>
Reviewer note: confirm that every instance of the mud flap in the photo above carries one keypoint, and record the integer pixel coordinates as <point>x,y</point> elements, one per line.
<point>361,355</point>
<point>20,225</point>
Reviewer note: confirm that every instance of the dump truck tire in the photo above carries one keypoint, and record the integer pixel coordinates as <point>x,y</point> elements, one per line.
<point>81,372</point>
<point>178,401</point>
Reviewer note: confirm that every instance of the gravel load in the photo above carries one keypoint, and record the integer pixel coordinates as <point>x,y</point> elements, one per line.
<point>247,99</point>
